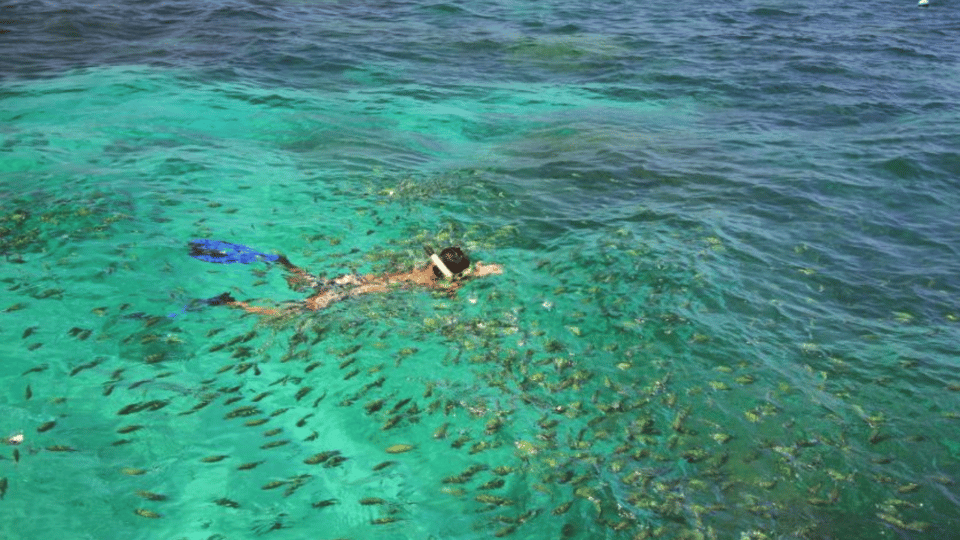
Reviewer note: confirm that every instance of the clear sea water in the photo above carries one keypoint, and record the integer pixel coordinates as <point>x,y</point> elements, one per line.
<point>729,306</point>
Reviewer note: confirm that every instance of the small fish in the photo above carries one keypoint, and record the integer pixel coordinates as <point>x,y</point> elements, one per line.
<point>37,369</point>
<point>311,437</point>
<point>61,448</point>
<point>399,405</point>
<point>274,444</point>
<point>303,421</point>
<point>146,513</point>
<point>246,410</point>
<point>99,311</point>
<point>335,461</point>
<point>251,465</point>
<point>28,393</point>
<point>278,412</point>
<point>371,501</point>
<point>214,459</point>
<point>441,431</point>
<point>374,406</point>
<point>15,307</point>
<point>150,496</point>
<point>303,392</point>
<point>129,429</point>
<point>34,346</point>
<point>121,442</point>
<point>384,520</point>
<point>227,502</point>
<point>312,367</point>
<point>16,455</point>
<point>399,448</point>
<point>273,485</point>
<point>384,465</point>
<point>232,400</point>
<point>392,421</point>
<point>353,373</point>
<point>347,363</point>
<point>46,426</point>
<point>261,395</point>
<point>321,457</point>
<point>88,365</point>
<point>28,332</point>
<point>256,422</point>
<point>131,471</point>
<point>493,484</point>
<point>3,487</point>
<point>324,503</point>
<point>272,432</point>
<point>318,400</point>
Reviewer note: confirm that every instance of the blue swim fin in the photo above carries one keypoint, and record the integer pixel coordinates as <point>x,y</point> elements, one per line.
<point>217,251</point>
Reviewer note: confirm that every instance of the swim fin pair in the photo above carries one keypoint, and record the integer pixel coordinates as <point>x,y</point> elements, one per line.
<point>217,251</point>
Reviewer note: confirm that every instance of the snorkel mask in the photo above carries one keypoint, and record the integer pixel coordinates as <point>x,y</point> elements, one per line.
<point>449,257</point>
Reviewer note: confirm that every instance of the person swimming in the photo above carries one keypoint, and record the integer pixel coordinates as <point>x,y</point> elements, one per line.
<point>447,271</point>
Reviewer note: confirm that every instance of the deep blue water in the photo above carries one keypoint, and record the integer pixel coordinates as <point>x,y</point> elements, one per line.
<point>729,306</point>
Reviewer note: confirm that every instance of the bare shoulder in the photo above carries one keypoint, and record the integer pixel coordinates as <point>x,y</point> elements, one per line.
<point>485,269</point>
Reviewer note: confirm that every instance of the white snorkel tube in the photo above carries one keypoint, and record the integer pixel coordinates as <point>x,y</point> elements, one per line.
<point>436,260</point>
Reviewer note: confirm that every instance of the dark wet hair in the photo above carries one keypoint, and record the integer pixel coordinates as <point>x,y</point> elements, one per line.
<point>454,259</point>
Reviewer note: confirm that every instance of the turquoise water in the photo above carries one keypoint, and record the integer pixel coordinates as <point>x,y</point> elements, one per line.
<point>729,306</point>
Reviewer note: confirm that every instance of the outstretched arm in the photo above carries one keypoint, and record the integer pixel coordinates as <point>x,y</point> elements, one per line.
<point>299,277</point>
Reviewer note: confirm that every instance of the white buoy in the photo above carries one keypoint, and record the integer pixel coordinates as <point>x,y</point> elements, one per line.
<point>923,3</point>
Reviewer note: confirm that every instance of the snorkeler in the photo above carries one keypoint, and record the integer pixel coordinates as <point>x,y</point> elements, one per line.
<point>446,271</point>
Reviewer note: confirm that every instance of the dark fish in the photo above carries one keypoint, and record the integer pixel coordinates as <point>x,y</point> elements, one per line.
<point>121,442</point>
<point>28,331</point>
<point>34,346</point>
<point>61,448</point>
<point>37,369</point>
<point>392,421</point>
<point>227,502</point>
<point>273,485</point>
<point>248,466</point>
<point>246,410</point>
<point>150,496</point>
<point>374,406</point>
<point>88,365</point>
<point>256,422</point>
<point>3,487</point>
<point>324,503</point>
<point>335,461</point>
<point>384,465</point>
<point>311,437</point>
<point>16,455</point>
<point>399,405</point>
<point>146,513</point>
<point>214,332</point>
<point>232,400</point>
<point>371,501</point>
<point>46,426</point>
<point>131,408</point>
<point>303,392</point>
<point>346,363</point>
<point>108,389</point>
<point>384,520</point>
<point>274,444</point>
<point>129,429</point>
<point>272,432</point>
<point>303,421</point>
<point>312,367</point>
<point>214,459</point>
<point>99,311</point>
<point>353,373</point>
<point>280,411</point>
<point>321,457</point>
<point>139,383</point>
<point>16,307</point>
<point>318,400</point>
<point>260,396</point>
<point>28,393</point>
